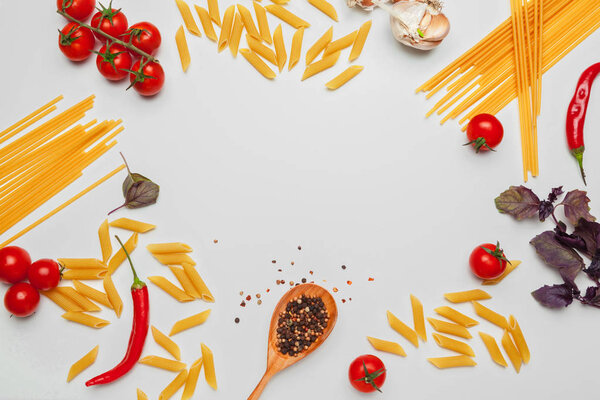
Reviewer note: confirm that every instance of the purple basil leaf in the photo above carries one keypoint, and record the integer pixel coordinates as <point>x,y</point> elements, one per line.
<point>553,196</point>
<point>576,206</point>
<point>555,254</point>
<point>590,233</point>
<point>555,296</point>
<point>570,240</point>
<point>545,209</point>
<point>518,201</point>
<point>593,271</point>
<point>568,276</point>
<point>591,294</point>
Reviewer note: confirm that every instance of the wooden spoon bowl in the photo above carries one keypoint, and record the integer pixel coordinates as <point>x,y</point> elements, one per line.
<point>277,361</point>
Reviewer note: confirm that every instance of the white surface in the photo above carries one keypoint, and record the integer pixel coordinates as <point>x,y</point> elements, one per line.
<point>357,177</point>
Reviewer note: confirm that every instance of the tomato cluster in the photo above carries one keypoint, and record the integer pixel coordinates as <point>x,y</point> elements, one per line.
<point>115,61</point>
<point>22,298</point>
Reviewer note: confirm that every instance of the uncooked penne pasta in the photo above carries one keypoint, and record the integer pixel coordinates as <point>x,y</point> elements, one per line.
<point>493,349</point>
<point>519,339</point>
<point>174,259</point>
<point>510,267</point>
<point>166,248</point>
<point>449,328</point>
<point>170,288</point>
<point>113,295</point>
<point>185,281</point>
<point>188,19</point>
<point>280,2</point>
<point>259,48</point>
<point>105,244</point>
<point>279,47</point>
<point>403,329</point>
<point>77,298</point>
<point>325,7</point>
<point>60,300</point>
<point>198,283</point>
<point>85,274</point>
<point>206,22</point>
<point>512,351</point>
<point>91,293</point>
<point>418,318</point>
<point>319,46</point>
<point>454,345</point>
<point>340,44</point>
<point>455,316</point>
<point>263,23</point>
<point>174,386</point>
<point>248,22</point>
<point>192,380</point>
<point>120,256</point>
<point>85,319</point>
<point>296,49</point>
<point>236,35</point>
<point>132,225</point>
<point>321,65</point>
<point>226,27</point>
<point>182,48</point>
<point>141,395</point>
<point>287,16</point>
<point>452,362</point>
<point>163,363</point>
<point>81,364</point>
<point>213,11</point>
<point>209,366</point>
<point>388,347</point>
<point>359,42</point>
<point>468,295</point>
<point>189,322</point>
<point>344,77</point>
<point>81,263</point>
<point>492,316</point>
<point>257,63</point>
<point>166,343</point>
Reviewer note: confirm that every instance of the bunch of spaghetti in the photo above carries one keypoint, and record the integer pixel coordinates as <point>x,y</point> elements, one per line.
<point>509,62</point>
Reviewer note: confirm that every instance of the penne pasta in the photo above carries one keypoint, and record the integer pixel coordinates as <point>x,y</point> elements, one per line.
<point>182,48</point>
<point>132,225</point>
<point>119,257</point>
<point>213,11</point>
<point>388,347</point>
<point>259,48</point>
<point>344,77</point>
<point>510,267</point>
<point>166,248</point>
<point>280,2</point>
<point>185,281</point>
<point>321,65</point>
<point>359,42</point>
<point>163,363</point>
<point>226,26</point>
<point>325,7</point>
<point>174,386</point>
<point>455,316</point>
<point>188,19</point>
<point>192,380</point>
<point>452,362</point>
<point>296,49</point>
<point>287,16</point>
<point>340,44</point>
<point>468,295</point>
<point>85,319</point>
<point>198,283</point>
<point>166,343</point>
<point>519,339</point>
<point>263,23</point>
<point>248,22</point>
<point>174,259</point>
<point>80,365</point>
<point>454,345</point>
<point>209,366</point>
<point>493,349</point>
<point>170,289</point>
<point>85,274</point>
<point>61,301</point>
<point>236,35</point>
<point>279,47</point>
<point>418,318</point>
<point>512,351</point>
<point>319,46</point>
<point>141,395</point>
<point>403,329</point>
<point>449,328</point>
<point>189,322</point>
<point>81,263</point>
<point>105,244</point>
<point>490,315</point>
<point>206,22</point>
<point>113,295</point>
<point>83,302</point>
<point>258,64</point>
<point>92,293</point>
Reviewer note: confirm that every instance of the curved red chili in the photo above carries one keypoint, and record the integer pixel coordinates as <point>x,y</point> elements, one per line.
<point>576,114</point>
<point>139,331</point>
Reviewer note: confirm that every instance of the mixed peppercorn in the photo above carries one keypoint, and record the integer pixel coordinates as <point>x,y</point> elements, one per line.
<point>301,324</point>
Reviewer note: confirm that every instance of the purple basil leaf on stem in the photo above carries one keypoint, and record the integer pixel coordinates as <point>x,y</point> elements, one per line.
<point>576,206</point>
<point>545,209</point>
<point>553,196</point>
<point>590,233</point>
<point>518,201</point>
<point>555,296</point>
<point>593,271</point>
<point>570,240</point>
<point>555,254</point>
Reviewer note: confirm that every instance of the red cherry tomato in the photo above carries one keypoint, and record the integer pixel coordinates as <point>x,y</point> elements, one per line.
<point>484,132</point>
<point>143,35</point>
<point>110,21</point>
<point>14,264</point>
<point>21,299</point>
<point>487,261</point>
<point>76,42</point>
<point>78,9</point>
<point>367,373</point>
<point>148,78</point>
<point>114,62</point>
<point>44,274</point>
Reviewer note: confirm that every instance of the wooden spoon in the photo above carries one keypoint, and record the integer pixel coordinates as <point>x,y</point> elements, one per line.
<point>277,361</point>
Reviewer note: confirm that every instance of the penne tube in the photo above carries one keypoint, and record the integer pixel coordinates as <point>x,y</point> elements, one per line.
<point>166,248</point>
<point>263,23</point>
<point>61,300</point>
<point>84,362</point>
<point>83,302</point>
<point>198,283</point>
<point>449,328</point>
<point>388,347</point>
<point>91,293</point>
<point>344,77</point>
<point>325,7</point>
<point>85,319</point>
<point>510,267</point>
<point>258,63</point>
<point>209,366</point>
<point>452,362</point>
<point>340,44</point>
<point>493,349</point>
<point>81,263</point>
<point>182,48</point>
<point>141,395</point>
<point>359,42</point>
<point>490,315</point>
<point>163,363</point>
<point>206,22</point>
<point>296,49</point>
<point>403,329</point>
<point>321,65</point>
<point>454,345</point>
<point>236,35</point>
<point>113,295</point>
<point>170,289</point>
<point>248,22</point>
<point>213,11</point>
<point>188,19</point>
<point>319,46</point>
<point>189,322</point>
<point>265,52</point>
<point>287,16</point>
<point>455,316</point>
<point>119,257</point>
<point>512,351</point>
<point>192,380</point>
<point>166,343</point>
<point>418,318</point>
<point>105,244</point>
<point>132,225</point>
<point>185,281</point>
<point>280,2</point>
<point>226,26</point>
<point>174,259</point>
<point>84,274</point>
<point>466,296</point>
<point>519,339</point>
<point>279,47</point>
<point>174,386</point>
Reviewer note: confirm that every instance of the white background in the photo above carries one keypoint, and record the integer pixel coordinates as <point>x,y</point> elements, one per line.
<point>356,177</point>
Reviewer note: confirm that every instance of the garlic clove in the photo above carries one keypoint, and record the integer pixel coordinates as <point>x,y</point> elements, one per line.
<point>367,5</point>
<point>438,28</point>
<point>418,24</point>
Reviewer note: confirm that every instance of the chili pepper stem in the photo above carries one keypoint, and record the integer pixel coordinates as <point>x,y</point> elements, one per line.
<point>137,283</point>
<point>578,154</point>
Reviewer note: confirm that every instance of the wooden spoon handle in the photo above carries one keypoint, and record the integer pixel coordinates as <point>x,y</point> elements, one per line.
<point>261,386</point>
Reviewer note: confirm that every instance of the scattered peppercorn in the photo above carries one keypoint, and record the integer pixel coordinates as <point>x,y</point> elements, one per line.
<point>259,302</point>
<point>299,247</point>
<point>279,270</point>
<point>273,261</point>
<point>215,241</point>
<point>301,324</point>
<point>343,267</point>
<point>311,272</point>
<point>371,279</point>
<point>241,292</point>
<point>291,283</point>
<point>248,297</point>
<point>335,290</point>
<point>268,290</point>
<point>292,263</point>
<point>257,295</point>
<point>343,300</point>
<point>243,304</point>
<point>303,280</point>
<point>237,320</point>
<point>349,282</point>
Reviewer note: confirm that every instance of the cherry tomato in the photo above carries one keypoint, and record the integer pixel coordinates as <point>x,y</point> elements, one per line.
<point>113,62</point>
<point>76,42</point>
<point>21,299</point>
<point>488,261</point>
<point>484,132</point>
<point>367,373</point>
<point>143,35</point>
<point>14,264</point>
<point>148,78</point>
<point>44,274</point>
<point>78,9</point>
<point>110,21</point>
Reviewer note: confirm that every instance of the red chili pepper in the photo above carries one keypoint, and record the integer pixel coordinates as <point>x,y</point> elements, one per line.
<point>576,114</point>
<point>139,330</point>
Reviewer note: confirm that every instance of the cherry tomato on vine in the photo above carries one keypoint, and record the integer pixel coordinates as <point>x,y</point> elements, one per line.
<point>147,77</point>
<point>113,62</point>
<point>21,299</point>
<point>484,132</point>
<point>14,264</point>
<point>367,373</point>
<point>44,274</point>
<point>76,42</point>
<point>110,21</point>
<point>78,9</point>
<point>144,36</point>
<point>488,261</point>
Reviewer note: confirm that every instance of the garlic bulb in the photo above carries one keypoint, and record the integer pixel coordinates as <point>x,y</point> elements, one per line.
<point>418,23</point>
